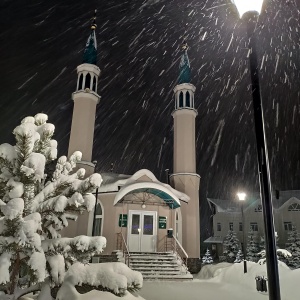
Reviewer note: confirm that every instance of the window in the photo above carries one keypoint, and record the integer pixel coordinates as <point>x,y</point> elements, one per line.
<point>253,226</point>
<point>97,230</point>
<point>240,226</point>
<point>80,82</point>
<point>288,226</point>
<point>88,81</point>
<point>258,208</point>
<point>187,100</point>
<point>294,207</point>
<point>231,226</point>
<point>148,225</point>
<point>177,224</point>
<point>135,226</point>
<point>94,84</point>
<point>218,226</point>
<point>181,99</point>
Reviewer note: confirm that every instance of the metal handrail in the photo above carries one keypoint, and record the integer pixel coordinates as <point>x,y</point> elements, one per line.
<point>181,248</point>
<point>124,244</point>
<point>175,244</point>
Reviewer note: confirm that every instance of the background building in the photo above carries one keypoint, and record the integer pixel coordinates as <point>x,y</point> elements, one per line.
<point>227,215</point>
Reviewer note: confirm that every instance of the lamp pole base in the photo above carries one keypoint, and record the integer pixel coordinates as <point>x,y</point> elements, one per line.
<point>245,266</point>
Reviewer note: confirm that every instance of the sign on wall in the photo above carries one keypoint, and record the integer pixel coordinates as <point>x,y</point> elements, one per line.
<point>122,220</point>
<point>162,222</point>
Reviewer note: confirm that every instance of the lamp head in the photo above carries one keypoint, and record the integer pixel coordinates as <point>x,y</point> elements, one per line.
<point>244,6</point>
<point>241,196</point>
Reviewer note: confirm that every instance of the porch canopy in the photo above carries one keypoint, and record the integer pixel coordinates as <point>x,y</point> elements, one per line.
<point>147,193</point>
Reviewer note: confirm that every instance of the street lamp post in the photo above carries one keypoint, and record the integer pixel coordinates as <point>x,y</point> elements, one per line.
<point>242,197</point>
<point>249,11</point>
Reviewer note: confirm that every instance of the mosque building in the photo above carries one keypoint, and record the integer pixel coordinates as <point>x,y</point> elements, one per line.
<point>138,212</point>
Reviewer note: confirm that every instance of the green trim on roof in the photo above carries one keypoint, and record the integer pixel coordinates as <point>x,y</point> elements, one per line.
<point>169,200</point>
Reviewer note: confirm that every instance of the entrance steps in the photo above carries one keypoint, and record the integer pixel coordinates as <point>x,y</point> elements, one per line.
<point>159,266</point>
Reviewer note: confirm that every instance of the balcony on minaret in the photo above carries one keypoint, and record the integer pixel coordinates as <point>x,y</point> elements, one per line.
<point>87,81</point>
<point>184,96</point>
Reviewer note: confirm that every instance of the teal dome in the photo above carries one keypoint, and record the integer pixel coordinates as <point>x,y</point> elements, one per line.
<point>90,51</point>
<point>184,69</point>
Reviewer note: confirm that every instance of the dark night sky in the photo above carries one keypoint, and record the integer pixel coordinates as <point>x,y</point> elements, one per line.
<point>139,49</point>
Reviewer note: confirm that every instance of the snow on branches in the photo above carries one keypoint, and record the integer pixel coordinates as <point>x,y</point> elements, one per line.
<point>114,277</point>
<point>293,246</point>
<point>35,207</point>
<point>231,246</point>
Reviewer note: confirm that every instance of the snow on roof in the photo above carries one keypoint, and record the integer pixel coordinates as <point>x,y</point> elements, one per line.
<point>113,182</point>
<point>288,202</point>
<point>214,240</point>
<point>154,188</point>
<point>234,205</point>
<point>225,205</point>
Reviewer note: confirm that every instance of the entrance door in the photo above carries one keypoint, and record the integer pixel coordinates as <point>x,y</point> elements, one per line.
<point>142,231</point>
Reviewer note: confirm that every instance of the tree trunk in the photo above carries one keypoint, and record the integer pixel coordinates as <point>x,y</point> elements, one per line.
<point>15,274</point>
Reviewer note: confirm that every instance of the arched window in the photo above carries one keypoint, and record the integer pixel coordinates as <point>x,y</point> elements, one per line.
<point>181,99</point>
<point>80,82</point>
<point>97,230</point>
<point>258,208</point>
<point>94,84</point>
<point>176,224</point>
<point>88,81</point>
<point>294,207</point>
<point>187,99</point>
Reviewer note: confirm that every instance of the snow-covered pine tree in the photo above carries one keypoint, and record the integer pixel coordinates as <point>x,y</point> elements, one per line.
<point>239,257</point>
<point>207,259</point>
<point>231,246</point>
<point>33,210</point>
<point>282,254</point>
<point>262,244</point>
<point>293,246</point>
<point>252,247</point>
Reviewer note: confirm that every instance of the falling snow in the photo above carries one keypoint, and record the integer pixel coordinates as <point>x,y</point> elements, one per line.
<point>138,54</point>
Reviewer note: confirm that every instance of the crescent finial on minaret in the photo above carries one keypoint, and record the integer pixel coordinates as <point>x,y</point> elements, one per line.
<point>184,45</point>
<point>94,25</point>
<point>90,51</point>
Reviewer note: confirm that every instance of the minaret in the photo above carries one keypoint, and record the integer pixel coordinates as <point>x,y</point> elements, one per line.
<point>85,101</point>
<point>185,178</point>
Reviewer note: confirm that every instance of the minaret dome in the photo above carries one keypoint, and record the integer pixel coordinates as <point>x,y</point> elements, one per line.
<point>184,91</point>
<point>88,72</point>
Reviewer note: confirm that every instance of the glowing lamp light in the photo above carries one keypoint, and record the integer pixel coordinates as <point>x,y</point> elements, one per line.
<point>244,6</point>
<point>241,196</point>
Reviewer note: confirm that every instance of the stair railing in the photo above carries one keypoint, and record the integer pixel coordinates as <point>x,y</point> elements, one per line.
<point>122,245</point>
<point>174,245</point>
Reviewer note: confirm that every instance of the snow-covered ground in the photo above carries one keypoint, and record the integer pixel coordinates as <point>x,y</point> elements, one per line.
<point>92,295</point>
<point>222,281</point>
<point>229,283</point>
